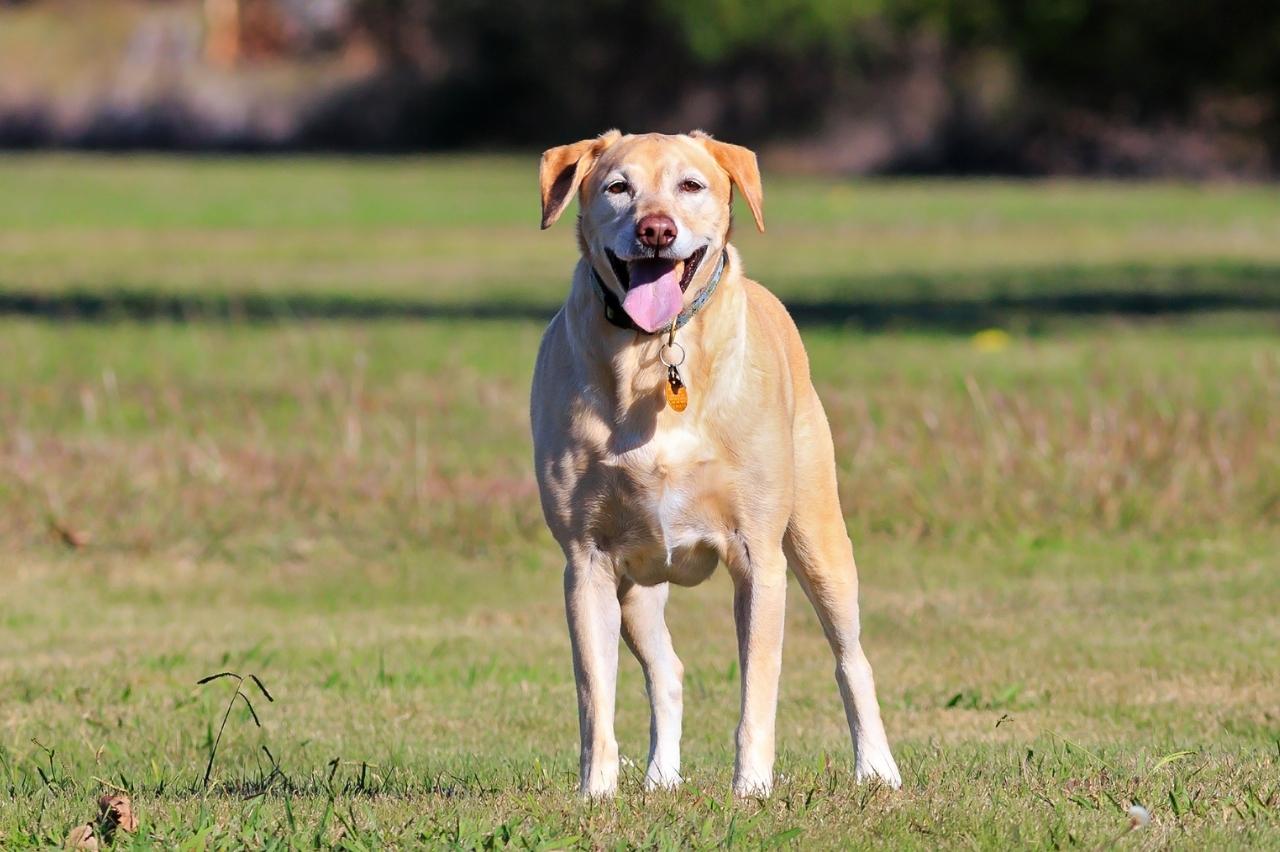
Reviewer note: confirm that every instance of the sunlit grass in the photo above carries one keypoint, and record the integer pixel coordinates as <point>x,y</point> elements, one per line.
<point>457,230</point>
<point>1067,536</point>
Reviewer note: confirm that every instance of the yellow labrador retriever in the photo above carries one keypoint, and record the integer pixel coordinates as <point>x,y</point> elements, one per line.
<point>674,427</point>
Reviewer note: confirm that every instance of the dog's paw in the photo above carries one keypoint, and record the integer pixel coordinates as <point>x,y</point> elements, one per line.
<point>661,779</point>
<point>878,765</point>
<point>598,792</point>
<point>752,786</point>
<point>601,784</point>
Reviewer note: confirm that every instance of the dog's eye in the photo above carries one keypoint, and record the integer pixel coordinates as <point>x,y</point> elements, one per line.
<point>617,187</point>
<point>691,185</point>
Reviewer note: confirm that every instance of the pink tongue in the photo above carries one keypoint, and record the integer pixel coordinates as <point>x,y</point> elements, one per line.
<point>654,299</point>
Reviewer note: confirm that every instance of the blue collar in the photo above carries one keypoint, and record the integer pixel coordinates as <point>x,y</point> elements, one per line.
<point>615,314</point>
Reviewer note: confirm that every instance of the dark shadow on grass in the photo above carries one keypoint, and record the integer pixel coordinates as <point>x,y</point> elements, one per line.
<point>1024,297</point>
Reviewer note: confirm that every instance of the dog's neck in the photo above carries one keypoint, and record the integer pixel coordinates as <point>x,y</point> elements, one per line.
<point>623,364</point>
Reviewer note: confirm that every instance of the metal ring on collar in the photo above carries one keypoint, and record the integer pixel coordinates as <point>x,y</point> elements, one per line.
<point>662,354</point>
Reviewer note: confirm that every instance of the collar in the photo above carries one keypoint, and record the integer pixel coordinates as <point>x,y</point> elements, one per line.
<point>614,313</point>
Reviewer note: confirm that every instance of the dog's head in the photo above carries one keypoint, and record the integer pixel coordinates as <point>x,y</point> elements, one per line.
<point>655,212</point>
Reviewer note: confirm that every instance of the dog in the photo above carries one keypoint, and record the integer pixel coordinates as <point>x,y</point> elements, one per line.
<point>675,427</point>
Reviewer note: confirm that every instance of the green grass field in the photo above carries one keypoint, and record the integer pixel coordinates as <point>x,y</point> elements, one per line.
<point>270,417</point>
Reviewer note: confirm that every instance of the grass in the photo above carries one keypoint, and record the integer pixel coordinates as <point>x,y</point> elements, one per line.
<point>1067,538</point>
<point>422,234</point>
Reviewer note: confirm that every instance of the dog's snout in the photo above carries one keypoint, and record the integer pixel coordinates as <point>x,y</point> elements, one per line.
<point>656,231</point>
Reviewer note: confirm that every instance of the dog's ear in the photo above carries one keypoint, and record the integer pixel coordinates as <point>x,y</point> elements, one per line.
<point>562,169</point>
<point>740,164</point>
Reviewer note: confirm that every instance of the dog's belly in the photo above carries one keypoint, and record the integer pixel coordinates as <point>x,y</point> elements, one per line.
<point>673,506</point>
<point>686,566</point>
<point>665,533</point>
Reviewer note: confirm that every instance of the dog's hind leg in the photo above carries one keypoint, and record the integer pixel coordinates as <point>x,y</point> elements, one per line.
<point>644,628</point>
<point>759,609</point>
<point>591,605</point>
<point>820,554</point>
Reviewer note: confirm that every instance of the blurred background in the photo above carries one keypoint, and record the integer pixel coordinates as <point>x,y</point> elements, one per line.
<point>1177,88</point>
<point>271,289</point>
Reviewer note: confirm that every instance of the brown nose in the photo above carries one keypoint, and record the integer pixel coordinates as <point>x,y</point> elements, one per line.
<point>656,231</point>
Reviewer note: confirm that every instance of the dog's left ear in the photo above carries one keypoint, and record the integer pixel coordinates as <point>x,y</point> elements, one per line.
<point>562,170</point>
<point>740,164</point>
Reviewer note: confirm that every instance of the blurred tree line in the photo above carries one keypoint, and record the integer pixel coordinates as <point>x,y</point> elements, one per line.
<point>1174,87</point>
<point>1009,85</point>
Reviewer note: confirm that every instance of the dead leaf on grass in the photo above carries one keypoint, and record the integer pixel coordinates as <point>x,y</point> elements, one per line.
<point>81,837</point>
<point>115,811</point>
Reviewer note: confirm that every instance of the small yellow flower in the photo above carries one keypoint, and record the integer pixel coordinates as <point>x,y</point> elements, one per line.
<point>991,340</point>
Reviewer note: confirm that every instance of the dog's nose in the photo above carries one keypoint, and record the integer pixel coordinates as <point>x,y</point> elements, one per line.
<point>656,231</point>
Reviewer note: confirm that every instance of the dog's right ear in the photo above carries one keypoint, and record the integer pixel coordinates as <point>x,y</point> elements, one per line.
<point>562,170</point>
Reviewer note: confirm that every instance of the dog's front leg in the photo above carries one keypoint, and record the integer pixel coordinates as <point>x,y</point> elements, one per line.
<point>594,614</point>
<point>759,604</point>
<point>645,630</point>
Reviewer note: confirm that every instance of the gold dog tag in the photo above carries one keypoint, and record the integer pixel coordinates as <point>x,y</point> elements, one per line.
<point>677,395</point>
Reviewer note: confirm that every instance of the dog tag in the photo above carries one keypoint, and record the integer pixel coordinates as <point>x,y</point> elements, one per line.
<point>677,396</point>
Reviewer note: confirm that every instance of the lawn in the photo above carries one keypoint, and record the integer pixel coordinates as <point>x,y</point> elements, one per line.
<point>270,417</point>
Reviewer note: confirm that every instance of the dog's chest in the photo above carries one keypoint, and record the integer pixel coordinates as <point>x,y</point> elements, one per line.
<point>674,501</point>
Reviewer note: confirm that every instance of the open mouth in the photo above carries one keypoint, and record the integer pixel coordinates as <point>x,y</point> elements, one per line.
<point>646,269</point>
<point>654,287</point>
